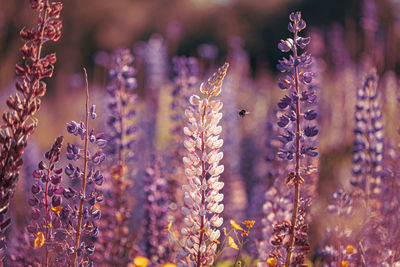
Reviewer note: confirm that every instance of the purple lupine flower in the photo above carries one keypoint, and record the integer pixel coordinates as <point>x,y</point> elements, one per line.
<point>203,171</point>
<point>45,220</point>
<point>378,237</point>
<point>368,139</point>
<point>294,119</point>
<point>80,209</point>
<point>156,216</point>
<point>116,238</point>
<point>120,105</point>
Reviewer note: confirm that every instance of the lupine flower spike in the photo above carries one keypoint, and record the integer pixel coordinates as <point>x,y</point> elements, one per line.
<point>116,238</point>
<point>368,166</point>
<point>203,171</point>
<point>368,139</point>
<point>296,121</point>
<point>79,221</point>
<point>19,123</point>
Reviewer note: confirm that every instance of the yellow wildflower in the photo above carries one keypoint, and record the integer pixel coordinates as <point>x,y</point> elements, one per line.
<point>236,226</point>
<point>271,261</point>
<point>140,261</point>
<point>249,224</point>
<point>345,263</point>
<point>169,265</point>
<point>56,209</point>
<point>39,241</point>
<point>168,226</point>
<point>117,170</point>
<point>232,243</point>
<point>350,249</point>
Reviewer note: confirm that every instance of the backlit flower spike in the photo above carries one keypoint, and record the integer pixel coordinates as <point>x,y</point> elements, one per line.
<point>19,122</point>
<point>202,200</point>
<point>297,120</point>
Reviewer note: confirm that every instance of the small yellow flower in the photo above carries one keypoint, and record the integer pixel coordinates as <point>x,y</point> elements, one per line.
<point>345,263</point>
<point>249,224</point>
<point>232,243</point>
<point>236,226</point>
<point>350,249</point>
<point>117,170</point>
<point>169,265</point>
<point>140,261</point>
<point>57,209</point>
<point>39,241</point>
<point>271,261</point>
<point>245,233</point>
<point>168,226</point>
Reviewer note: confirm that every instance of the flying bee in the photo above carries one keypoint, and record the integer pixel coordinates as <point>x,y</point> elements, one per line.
<point>243,113</point>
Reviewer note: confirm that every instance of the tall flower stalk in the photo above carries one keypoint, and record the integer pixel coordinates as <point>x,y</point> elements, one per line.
<point>79,222</point>
<point>296,120</point>
<point>368,140</point>
<point>116,238</point>
<point>368,171</point>
<point>19,123</point>
<point>202,170</point>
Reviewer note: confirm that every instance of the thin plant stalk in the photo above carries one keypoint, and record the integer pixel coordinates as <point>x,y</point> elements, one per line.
<point>297,168</point>
<point>203,175</point>
<point>78,230</point>
<point>47,212</point>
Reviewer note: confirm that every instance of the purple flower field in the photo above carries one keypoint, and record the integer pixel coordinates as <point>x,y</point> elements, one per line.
<point>194,133</point>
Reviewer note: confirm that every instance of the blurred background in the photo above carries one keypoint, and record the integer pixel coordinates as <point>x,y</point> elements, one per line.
<point>348,36</point>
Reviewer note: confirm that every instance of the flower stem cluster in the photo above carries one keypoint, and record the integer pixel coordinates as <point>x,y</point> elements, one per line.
<point>202,170</point>
<point>19,123</point>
